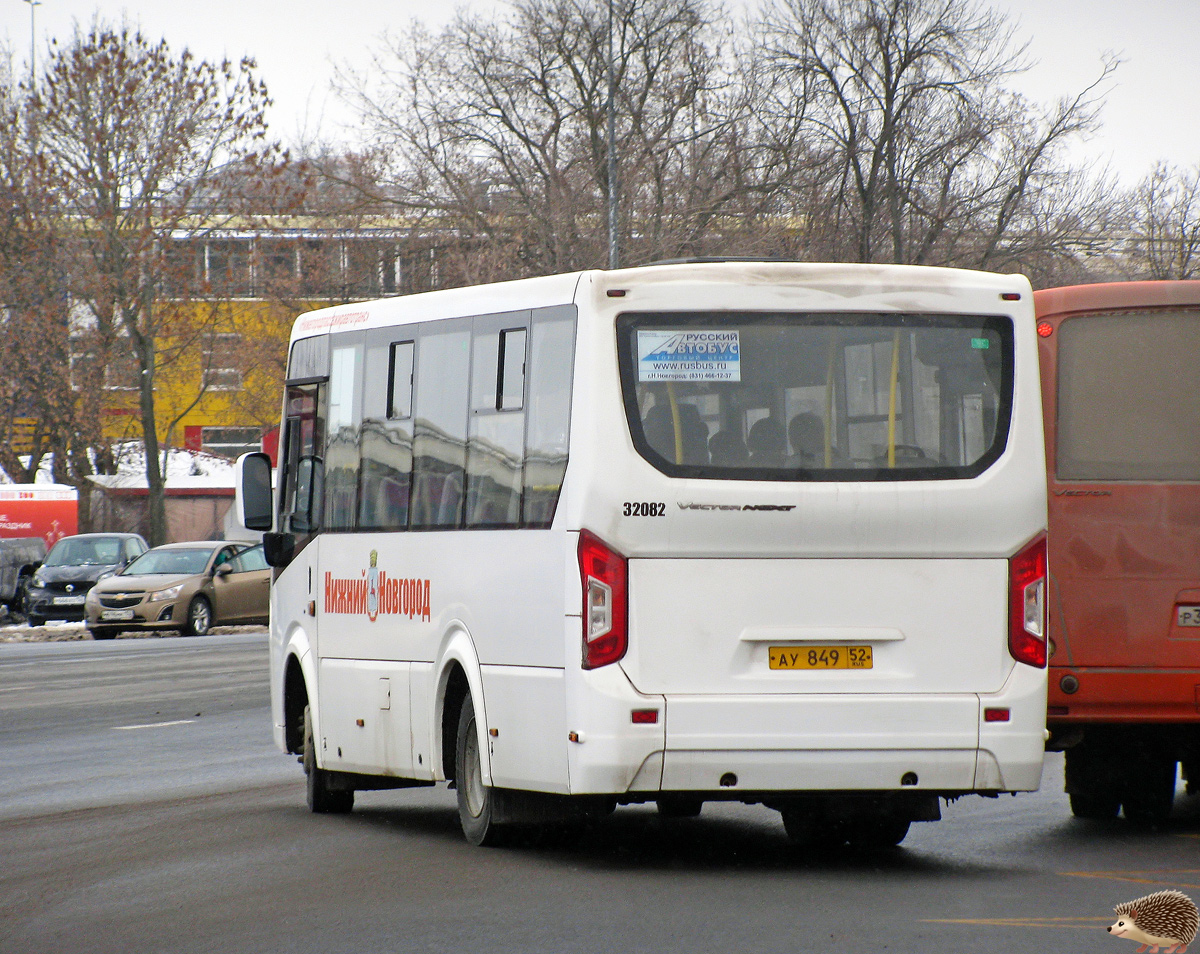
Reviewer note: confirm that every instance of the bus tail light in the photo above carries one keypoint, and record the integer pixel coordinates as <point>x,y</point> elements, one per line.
<point>604,574</point>
<point>1027,604</point>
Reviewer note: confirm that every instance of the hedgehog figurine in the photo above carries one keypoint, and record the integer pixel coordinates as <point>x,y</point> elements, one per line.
<point>1166,919</point>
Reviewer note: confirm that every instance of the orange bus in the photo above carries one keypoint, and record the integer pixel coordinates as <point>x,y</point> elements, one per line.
<point>1120,368</point>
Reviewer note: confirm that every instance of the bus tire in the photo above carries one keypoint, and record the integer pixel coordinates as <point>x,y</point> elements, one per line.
<point>808,826</point>
<point>477,803</point>
<point>1150,792</point>
<point>321,798</point>
<point>680,806</point>
<point>1095,807</point>
<point>874,833</point>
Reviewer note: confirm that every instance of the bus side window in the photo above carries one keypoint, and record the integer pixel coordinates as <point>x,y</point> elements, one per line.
<point>344,421</point>
<point>550,370</point>
<point>385,476</point>
<point>301,468</point>
<point>440,425</point>
<point>310,478</point>
<point>495,452</point>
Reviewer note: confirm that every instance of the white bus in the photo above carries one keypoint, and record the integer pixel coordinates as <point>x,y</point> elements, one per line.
<point>762,532</point>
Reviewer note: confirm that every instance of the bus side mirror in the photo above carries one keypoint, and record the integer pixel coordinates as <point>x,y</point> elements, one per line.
<point>252,493</point>
<point>278,548</point>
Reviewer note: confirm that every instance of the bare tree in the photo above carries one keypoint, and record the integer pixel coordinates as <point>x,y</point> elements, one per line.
<point>1166,223</point>
<point>929,158</point>
<point>495,133</point>
<point>139,142</point>
<point>49,405</point>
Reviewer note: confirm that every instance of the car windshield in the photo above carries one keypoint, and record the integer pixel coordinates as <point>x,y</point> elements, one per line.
<point>104,551</point>
<point>169,562</point>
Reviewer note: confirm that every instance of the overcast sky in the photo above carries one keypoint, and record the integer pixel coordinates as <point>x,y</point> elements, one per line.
<point>1151,110</point>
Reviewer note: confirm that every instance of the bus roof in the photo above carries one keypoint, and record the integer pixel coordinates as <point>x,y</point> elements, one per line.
<point>1106,296</point>
<point>526,293</point>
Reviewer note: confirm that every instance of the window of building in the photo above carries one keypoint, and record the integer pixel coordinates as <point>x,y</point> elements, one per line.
<point>276,266</point>
<point>122,371</point>
<point>221,371</point>
<point>231,442</point>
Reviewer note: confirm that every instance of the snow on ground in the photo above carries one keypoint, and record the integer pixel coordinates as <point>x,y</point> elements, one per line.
<point>184,469</point>
<point>14,629</point>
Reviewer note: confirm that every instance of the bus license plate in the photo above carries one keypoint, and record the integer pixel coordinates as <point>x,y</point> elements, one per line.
<point>1188,615</point>
<point>820,657</point>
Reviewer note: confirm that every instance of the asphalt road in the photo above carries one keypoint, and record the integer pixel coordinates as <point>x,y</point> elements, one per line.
<point>143,808</point>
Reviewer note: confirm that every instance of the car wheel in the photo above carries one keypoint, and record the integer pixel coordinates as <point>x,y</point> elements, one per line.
<point>21,593</point>
<point>36,620</point>
<point>199,617</point>
<point>322,798</point>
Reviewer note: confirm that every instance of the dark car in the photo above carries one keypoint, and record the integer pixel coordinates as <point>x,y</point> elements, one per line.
<point>72,567</point>
<point>189,587</point>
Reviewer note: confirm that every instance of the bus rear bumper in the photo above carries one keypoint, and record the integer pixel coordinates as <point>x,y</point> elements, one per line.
<point>728,744</point>
<point>1114,695</point>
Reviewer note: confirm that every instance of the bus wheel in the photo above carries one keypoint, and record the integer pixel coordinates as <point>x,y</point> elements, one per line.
<point>882,832</point>
<point>477,803</point>
<point>679,806</point>
<point>1095,807</point>
<point>1150,793</point>
<point>810,827</point>
<point>321,798</point>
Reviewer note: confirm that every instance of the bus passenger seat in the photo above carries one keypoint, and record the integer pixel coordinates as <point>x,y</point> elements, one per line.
<point>727,449</point>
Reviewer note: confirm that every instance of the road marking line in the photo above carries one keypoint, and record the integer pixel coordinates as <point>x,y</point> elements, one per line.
<point>155,725</point>
<point>14,688</point>
<point>1023,922</point>
<point>1146,877</point>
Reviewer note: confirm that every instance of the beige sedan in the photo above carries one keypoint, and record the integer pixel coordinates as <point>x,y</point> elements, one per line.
<point>189,587</point>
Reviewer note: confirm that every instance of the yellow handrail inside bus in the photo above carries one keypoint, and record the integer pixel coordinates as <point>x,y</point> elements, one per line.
<point>675,422</point>
<point>892,399</point>
<point>833,341</point>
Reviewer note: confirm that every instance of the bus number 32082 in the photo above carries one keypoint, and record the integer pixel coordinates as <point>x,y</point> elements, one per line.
<point>645,509</point>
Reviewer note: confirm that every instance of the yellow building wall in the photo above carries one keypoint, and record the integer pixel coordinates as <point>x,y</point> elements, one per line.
<point>219,364</point>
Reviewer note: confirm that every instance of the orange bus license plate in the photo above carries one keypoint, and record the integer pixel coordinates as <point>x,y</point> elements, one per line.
<point>819,657</point>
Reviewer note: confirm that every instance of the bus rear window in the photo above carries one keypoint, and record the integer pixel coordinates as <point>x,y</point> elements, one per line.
<point>1128,397</point>
<point>817,396</point>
